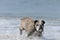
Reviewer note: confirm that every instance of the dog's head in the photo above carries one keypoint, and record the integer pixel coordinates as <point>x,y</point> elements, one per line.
<point>39,25</point>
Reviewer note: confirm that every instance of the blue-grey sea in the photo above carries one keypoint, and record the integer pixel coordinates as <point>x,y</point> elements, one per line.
<point>9,29</point>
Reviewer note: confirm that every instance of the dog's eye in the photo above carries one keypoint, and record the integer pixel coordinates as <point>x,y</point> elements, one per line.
<point>37,25</point>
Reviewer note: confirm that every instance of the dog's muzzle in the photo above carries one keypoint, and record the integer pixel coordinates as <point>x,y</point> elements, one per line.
<point>39,28</point>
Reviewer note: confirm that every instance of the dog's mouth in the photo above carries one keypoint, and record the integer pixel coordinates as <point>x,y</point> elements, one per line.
<point>39,29</point>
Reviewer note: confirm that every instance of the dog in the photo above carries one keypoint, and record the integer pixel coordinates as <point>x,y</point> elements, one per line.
<point>39,26</point>
<point>30,25</point>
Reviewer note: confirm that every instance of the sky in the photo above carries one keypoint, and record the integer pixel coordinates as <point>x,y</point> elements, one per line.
<point>44,8</point>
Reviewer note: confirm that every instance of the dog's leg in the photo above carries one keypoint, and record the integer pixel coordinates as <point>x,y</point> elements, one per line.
<point>30,33</point>
<point>20,32</point>
<point>20,28</point>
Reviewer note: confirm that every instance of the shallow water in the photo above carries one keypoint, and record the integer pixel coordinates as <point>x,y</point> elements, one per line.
<point>9,30</point>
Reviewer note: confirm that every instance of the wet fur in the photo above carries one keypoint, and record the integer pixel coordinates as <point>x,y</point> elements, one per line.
<point>28,24</point>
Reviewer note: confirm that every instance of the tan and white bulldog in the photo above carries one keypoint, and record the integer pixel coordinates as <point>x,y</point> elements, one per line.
<point>30,25</point>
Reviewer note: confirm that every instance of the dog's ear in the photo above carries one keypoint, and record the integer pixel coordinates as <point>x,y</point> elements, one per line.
<point>35,21</point>
<point>43,21</point>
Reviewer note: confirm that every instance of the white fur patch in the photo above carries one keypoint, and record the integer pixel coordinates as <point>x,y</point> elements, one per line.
<point>37,28</point>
